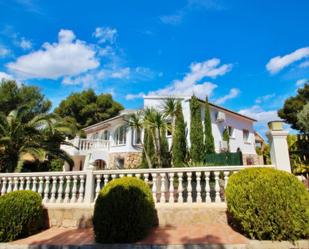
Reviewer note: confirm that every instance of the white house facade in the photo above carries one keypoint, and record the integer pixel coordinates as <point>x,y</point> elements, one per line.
<point>112,144</point>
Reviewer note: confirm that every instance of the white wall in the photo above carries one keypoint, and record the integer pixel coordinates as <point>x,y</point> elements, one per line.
<point>237,122</point>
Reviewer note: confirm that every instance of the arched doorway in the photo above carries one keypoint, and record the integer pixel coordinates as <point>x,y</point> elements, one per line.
<point>100,164</point>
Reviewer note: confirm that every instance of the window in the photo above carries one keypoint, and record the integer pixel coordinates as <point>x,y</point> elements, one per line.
<point>246,136</point>
<point>120,135</point>
<point>95,136</point>
<point>231,131</point>
<point>105,135</point>
<point>137,136</point>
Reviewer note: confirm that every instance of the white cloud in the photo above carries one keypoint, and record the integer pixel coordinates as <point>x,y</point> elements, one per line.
<point>301,82</point>
<point>264,98</point>
<point>190,84</point>
<point>134,96</point>
<point>25,44</point>
<point>68,57</point>
<point>173,19</point>
<point>277,63</point>
<point>305,64</point>
<point>92,78</point>
<point>4,51</point>
<point>261,115</point>
<point>234,92</point>
<point>105,34</point>
<point>5,76</point>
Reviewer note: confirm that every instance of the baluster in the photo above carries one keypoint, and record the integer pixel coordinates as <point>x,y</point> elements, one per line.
<point>121,175</point>
<point>217,187</point>
<point>67,189</point>
<point>129,175</point>
<point>180,188</point>
<point>60,189</point>
<point>81,188</point>
<point>4,182</point>
<point>146,178</point>
<point>74,189</point>
<point>41,182</point>
<point>34,184</point>
<point>198,187</point>
<point>10,185</point>
<point>171,188</point>
<point>154,187</point>
<point>162,188</point>
<point>113,176</point>
<point>53,189</point>
<point>46,189</point>
<point>105,179</point>
<point>98,185</point>
<point>22,183</point>
<point>28,183</point>
<point>15,184</point>
<point>207,187</point>
<point>138,176</point>
<point>189,187</point>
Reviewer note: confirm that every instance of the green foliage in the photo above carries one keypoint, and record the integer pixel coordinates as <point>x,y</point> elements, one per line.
<point>265,152</point>
<point>149,149</point>
<point>87,108</point>
<point>13,96</point>
<point>196,131</point>
<point>124,211</point>
<point>268,204</point>
<point>303,118</point>
<point>209,139</point>
<point>179,149</point>
<point>21,214</point>
<point>225,158</point>
<point>293,105</point>
<point>299,153</point>
<point>39,138</point>
<point>165,153</point>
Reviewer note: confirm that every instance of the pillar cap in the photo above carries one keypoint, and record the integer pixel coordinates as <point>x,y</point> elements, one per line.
<point>275,125</point>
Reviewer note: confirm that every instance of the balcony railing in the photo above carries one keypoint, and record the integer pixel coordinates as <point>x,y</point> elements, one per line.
<point>168,185</point>
<point>84,144</point>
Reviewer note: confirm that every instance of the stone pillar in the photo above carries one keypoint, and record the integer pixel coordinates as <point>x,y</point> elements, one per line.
<point>89,184</point>
<point>279,151</point>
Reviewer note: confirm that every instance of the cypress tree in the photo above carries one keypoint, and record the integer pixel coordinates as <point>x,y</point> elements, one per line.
<point>179,149</point>
<point>196,132</point>
<point>209,139</point>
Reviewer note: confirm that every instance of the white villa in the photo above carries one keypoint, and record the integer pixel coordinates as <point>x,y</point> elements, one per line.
<point>112,144</point>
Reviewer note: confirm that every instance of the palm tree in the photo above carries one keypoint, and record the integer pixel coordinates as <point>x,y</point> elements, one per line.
<point>135,121</point>
<point>170,111</point>
<point>39,138</point>
<point>154,122</point>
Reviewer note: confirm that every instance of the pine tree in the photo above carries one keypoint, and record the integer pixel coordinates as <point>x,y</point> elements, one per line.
<point>196,132</point>
<point>179,149</point>
<point>209,139</point>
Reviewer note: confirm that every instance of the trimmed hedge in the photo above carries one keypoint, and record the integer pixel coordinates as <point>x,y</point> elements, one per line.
<point>124,211</point>
<point>21,214</point>
<point>268,204</point>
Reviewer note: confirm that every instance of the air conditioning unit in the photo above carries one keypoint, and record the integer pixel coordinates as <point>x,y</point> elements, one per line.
<point>220,117</point>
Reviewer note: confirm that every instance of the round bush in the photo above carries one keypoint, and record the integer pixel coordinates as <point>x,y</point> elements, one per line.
<point>21,214</point>
<point>268,204</point>
<point>124,211</point>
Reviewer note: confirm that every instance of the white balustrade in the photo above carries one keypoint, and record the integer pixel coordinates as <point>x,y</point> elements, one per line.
<point>168,185</point>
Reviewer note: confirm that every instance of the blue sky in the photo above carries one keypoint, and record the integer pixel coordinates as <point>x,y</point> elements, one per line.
<point>246,55</point>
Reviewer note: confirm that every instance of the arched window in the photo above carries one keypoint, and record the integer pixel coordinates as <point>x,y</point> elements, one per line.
<point>137,136</point>
<point>120,135</point>
<point>105,135</point>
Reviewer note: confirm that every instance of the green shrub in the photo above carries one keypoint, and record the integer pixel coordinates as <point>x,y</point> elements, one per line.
<point>124,211</point>
<point>268,204</point>
<point>21,214</point>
